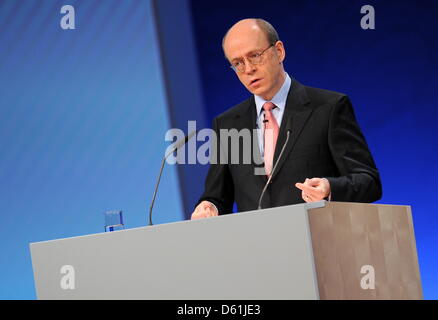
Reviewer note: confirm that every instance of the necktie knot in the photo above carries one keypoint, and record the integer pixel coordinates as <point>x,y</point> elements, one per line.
<point>268,106</point>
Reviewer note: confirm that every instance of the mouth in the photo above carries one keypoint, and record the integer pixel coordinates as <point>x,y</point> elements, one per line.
<point>254,82</point>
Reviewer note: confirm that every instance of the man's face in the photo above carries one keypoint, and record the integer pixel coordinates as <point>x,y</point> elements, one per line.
<point>263,79</point>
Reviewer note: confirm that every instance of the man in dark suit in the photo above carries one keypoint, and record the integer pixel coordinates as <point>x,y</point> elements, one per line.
<point>324,153</point>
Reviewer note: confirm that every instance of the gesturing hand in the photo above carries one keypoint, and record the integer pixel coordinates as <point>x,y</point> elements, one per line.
<point>314,189</point>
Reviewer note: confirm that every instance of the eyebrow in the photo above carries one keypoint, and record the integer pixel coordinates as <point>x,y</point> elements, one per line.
<point>236,59</point>
<point>250,52</point>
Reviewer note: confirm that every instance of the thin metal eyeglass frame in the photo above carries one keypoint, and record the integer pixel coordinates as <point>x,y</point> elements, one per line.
<point>260,55</point>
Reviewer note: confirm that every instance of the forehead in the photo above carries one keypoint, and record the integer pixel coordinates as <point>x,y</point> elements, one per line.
<point>240,42</point>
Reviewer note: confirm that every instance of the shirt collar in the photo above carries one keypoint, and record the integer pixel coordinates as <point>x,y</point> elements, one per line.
<point>279,98</point>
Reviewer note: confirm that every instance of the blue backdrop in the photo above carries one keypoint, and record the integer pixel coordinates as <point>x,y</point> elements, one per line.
<point>389,74</point>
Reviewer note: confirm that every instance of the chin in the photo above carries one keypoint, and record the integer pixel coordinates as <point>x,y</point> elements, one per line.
<point>258,91</point>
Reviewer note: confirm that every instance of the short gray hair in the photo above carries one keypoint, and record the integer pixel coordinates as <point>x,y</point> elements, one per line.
<point>269,31</point>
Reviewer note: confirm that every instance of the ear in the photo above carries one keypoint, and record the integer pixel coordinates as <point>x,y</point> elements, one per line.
<point>281,52</point>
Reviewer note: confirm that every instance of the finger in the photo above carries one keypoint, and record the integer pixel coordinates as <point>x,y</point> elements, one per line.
<point>210,212</point>
<point>305,196</point>
<point>322,184</point>
<point>195,215</point>
<point>199,214</point>
<point>200,211</point>
<point>300,185</point>
<point>208,206</point>
<point>206,213</point>
<point>314,182</point>
<point>307,190</point>
<point>310,191</point>
<point>304,182</point>
<point>315,193</point>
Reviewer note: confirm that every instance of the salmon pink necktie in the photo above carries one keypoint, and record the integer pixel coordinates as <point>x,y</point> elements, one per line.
<point>270,136</point>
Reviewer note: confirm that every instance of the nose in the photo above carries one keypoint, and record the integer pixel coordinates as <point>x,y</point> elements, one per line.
<point>249,67</point>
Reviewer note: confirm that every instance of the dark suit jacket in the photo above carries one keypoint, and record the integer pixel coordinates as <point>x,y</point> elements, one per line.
<point>325,141</point>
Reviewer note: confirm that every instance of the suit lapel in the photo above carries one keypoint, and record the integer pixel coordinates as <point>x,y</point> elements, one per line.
<point>295,116</point>
<point>296,113</point>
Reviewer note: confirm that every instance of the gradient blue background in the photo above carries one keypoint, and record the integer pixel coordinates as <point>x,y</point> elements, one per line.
<point>83,115</point>
<point>76,136</point>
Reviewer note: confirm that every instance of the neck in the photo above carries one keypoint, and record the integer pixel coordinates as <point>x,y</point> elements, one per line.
<point>279,83</point>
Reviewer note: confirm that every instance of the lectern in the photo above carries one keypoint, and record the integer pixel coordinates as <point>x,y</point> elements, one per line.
<point>321,250</point>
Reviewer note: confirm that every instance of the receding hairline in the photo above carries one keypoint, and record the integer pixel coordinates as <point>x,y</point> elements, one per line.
<point>267,29</point>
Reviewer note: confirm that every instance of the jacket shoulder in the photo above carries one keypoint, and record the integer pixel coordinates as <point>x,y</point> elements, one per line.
<point>323,96</point>
<point>236,110</point>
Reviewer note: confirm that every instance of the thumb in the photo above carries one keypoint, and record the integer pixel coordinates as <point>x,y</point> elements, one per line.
<point>314,181</point>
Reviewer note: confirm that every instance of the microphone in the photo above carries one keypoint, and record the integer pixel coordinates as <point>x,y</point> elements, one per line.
<point>273,170</point>
<point>177,145</point>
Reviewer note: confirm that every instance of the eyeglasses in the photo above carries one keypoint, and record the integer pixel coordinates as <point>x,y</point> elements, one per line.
<point>254,58</point>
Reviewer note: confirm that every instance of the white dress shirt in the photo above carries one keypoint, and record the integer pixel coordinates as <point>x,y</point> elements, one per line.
<point>279,100</point>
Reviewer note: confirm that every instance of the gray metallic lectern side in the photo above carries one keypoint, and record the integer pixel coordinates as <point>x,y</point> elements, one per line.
<point>264,254</point>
